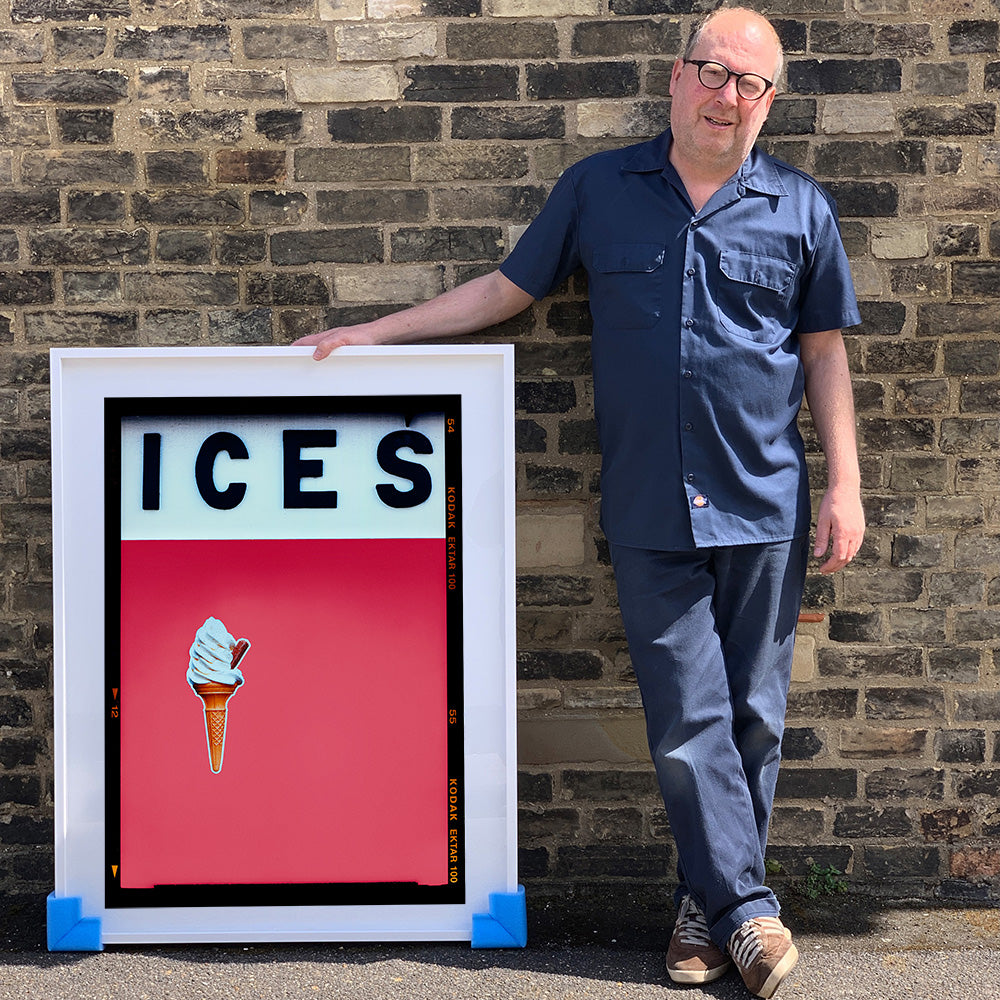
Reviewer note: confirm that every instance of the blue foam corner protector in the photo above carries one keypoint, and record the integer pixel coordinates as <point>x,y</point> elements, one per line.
<point>67,929</point>
<point>506,925</point>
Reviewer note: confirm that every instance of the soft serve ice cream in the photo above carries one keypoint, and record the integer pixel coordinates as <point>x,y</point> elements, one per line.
<point>214,675</point>
<point>213,659</point>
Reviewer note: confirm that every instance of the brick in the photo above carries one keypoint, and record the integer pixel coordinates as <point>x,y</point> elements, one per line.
<point>976,279</point>
<point>559,664</point>
<point>469,161</point>
<point>548,480</point>
<point>180,246</point>
<point>280,208</point>
<point>975,863</point>
<point>517,40</point>
<point>344,84</point>
<point>844,76</point>
<point>974,475</point>
<point>336,246</point>
<point>570,81</point>
<point>866,662</point>
<point>829,703</point>
<point>508,123</point>
<point>942,79</point>
<point>516,203</point>
<point>29,207</point>
<point>620,118</point>
<point>545,8</point>
<point>955,589</point>
<point>26,288</point>
<point>936,320</point>
<point>70,87</point>
<point>962,746</point>
<point>393,124</point>
<point>857,114</point>
<point>900,783</point>
<point>852,37</point>
<point>864,198</point>
<point>959,119</point>
<point>461,84</point>
<point>546,396</point>
<point>534,824</point>
<point>250,166</point>
<point>89,246</point>
<point>226,10</point>
<point>240,326</point>
<point>276,41</point>
<point>900,862</point>
<point>242,248</point>
<point>379,206</point>
<point>904,39</point>
<point>176,168</point>
<point>613,861</point>
<point>816,783</point>
<point>977,706</point>
<point>196,43</point>
<point>960,436</point>
<point>385,42</point>
<point>193,126</point>
<point>182,208</point>
<point>73,44</point>
<point>170,326</point>
<point>375,163</point>
<point>917,550</point>
<point>67,10</point>
<point>91,167</point>
<point>91,288</point>
<point>805,743</point>
<point>609,786</point>
<point>280,289</point>
<point>969,785</point>
<point>947,158</point>
<point>90,125</point>
<point>163,85</point>
<point>550,540</point>
<point>245,85</point>
<point>24,128</point>
<point>168,288</point>
<point>945,824</point>
<point>856,626</point>
<point>905,703</point>
<point>865,821</point>
<point>625,38</point>
<point>919,396</point>
<point>869,742</point>
<point>554,590</point>
<point>393,283</point>
<point>431,243</point>
<point>967,37</point>
<point>279,124</point>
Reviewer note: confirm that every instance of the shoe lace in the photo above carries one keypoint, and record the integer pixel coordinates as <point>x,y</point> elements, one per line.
<point>692,927</point>
<point>746,944</point>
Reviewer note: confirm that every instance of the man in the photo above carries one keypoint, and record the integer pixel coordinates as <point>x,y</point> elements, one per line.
<point>718,286</point>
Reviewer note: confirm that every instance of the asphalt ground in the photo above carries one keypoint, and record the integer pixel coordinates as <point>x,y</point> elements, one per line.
<point>856,951</point>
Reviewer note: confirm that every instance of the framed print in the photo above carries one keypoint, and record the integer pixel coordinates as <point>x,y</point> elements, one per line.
<point>284,646</point>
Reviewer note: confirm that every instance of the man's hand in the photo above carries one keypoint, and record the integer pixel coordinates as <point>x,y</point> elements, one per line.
<point>340,336</point>
<point>840,529</point>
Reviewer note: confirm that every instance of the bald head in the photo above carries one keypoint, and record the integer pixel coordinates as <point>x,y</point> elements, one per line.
<point>744,17</point>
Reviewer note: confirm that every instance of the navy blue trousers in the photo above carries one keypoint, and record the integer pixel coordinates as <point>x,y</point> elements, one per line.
<point>710,635</point>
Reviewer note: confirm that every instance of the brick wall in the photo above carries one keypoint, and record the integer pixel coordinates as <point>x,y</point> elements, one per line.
<point>221,171</point>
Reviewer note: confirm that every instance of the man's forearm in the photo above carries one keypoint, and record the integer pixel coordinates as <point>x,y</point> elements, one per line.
<point>477,304</point>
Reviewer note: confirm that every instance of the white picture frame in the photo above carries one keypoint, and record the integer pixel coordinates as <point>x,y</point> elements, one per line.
<point>94,394</point>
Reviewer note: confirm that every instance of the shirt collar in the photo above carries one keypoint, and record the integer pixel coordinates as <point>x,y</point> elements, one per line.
<point>757,173</point>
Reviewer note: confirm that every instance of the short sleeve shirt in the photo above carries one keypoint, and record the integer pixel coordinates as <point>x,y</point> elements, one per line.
<point>697,318</point>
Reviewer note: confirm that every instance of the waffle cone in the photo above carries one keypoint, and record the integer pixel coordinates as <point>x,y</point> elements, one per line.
<point>214,697</point>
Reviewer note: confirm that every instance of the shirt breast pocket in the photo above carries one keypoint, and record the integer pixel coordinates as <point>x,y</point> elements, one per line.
<point>626,285</point>
<point>753,295</point>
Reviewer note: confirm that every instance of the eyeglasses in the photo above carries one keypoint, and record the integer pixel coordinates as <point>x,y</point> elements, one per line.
<point>714,76</point>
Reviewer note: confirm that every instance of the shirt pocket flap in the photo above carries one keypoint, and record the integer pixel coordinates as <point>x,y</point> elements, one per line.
<point>638,257</point>
<point>756,269</point>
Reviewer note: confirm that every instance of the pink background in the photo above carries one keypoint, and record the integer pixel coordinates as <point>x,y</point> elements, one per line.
<point>335,765</point>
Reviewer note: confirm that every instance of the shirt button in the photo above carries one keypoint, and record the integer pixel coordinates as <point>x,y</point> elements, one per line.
<point>690,477</point>
<point>688,373</point>
<point>689,323</point>
<point>688,426</point>
<point>690,272</point>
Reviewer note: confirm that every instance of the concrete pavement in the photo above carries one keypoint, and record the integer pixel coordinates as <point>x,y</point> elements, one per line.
<point>903,953</point>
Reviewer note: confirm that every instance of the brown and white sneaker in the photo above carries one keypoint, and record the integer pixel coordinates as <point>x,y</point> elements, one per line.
<point>692,956</point>
<point>763,952</point>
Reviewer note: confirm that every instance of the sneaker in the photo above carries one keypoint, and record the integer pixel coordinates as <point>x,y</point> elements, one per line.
<point>692,956</point>
<point>763,951</point>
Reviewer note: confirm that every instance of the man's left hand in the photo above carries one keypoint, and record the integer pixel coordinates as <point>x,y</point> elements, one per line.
<point>840,529</point>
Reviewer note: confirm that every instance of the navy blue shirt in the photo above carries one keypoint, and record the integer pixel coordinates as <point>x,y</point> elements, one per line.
<point>697,318</point>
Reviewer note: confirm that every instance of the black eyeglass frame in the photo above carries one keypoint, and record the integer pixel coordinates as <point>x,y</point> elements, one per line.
<point>731,73</point>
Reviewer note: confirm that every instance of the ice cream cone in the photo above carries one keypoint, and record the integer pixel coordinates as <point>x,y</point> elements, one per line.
<point>214,696</point>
